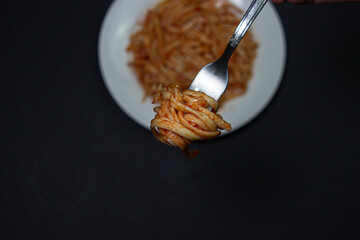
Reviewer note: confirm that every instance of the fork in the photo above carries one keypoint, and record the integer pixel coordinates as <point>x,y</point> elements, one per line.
<point>214,77</point>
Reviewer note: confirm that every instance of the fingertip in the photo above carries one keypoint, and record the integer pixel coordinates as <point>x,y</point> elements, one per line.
<point>301,2</point>
<point>278,1</point>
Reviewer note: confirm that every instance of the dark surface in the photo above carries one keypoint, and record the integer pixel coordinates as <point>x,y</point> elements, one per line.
<point>74,166</point>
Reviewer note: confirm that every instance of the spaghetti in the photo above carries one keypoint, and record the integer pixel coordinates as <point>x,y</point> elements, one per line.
<point>178,37</point>
<point>184,117</point>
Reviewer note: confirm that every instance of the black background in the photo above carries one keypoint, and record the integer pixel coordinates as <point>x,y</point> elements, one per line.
<point>74,166</point>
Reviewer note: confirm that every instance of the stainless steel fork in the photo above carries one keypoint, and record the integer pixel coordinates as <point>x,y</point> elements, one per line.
<point>214,77</point>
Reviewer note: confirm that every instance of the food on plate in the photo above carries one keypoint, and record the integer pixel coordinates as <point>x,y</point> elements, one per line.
<point>179,37</point>
<point>185,116</point>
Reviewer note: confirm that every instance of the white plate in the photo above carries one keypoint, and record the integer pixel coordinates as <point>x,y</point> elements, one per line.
<point>121,20</point>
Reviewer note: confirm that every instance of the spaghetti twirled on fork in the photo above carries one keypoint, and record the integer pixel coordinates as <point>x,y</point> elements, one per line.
<point>184,117</point>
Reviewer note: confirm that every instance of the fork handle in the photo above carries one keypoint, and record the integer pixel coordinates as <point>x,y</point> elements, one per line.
<point>248,18</point>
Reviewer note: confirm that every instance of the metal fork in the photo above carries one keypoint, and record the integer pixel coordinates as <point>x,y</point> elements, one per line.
<point>214,77</point>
